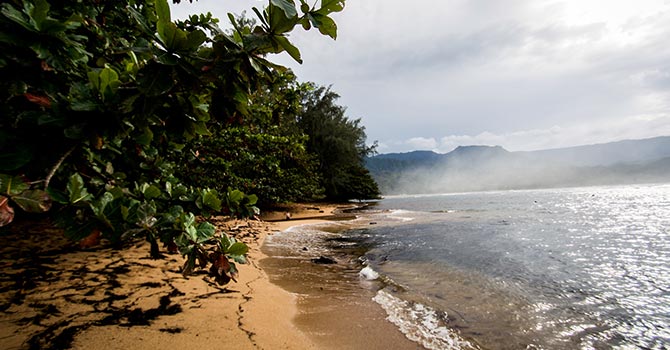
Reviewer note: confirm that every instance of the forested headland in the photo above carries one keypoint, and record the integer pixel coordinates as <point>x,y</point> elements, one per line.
<point>120,123</point>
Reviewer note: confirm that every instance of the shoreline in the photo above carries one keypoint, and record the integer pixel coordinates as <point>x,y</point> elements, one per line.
<point>53,295</point>
<point>335,306</point>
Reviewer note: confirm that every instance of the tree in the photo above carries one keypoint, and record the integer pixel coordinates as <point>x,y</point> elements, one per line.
<point>339,145</point>
<point>99,98</point>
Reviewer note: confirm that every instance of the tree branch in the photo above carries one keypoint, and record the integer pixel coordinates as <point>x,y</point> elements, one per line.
<point>56,166</point>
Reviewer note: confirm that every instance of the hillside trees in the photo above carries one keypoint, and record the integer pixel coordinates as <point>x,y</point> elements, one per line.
<point>298,145</point>
<point>265,154</point>
<point>100,98</point>
<point>339,145</point>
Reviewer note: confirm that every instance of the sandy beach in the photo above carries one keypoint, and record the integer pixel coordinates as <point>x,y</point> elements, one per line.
<point>54,295</point>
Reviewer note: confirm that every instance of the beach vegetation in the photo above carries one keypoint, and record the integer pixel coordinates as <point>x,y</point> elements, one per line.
<point>104,102</point>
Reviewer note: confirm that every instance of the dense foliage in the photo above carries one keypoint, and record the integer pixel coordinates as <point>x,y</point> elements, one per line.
<point>101,99</point>
<point>339,144</point>
<point>298,145</point>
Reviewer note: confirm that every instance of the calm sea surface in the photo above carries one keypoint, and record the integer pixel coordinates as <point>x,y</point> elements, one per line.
<point>579,268</point>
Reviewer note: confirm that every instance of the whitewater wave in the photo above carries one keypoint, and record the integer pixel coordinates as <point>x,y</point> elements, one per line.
<point>421,323</point>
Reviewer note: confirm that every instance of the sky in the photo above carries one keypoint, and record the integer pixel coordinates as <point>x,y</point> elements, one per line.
<point>522,74</point>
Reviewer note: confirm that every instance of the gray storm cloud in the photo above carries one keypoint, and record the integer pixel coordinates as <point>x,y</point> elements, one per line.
<point>441,68</point>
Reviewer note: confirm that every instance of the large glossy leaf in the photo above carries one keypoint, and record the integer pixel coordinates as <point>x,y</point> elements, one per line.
<point>237,248</point>
<point>280,21</point>
<point>252,199</point>
<point>325,24</point>
<point>205,231</point>
<point>17,16</point>
<point>33,201</point>
<point>286,45</point>
<point>150,191</point>
<point>76,190</point>
<point>108,78</point>
<point>235,196</point>
<point>57,195</point>
<point>38,13</point>
<point>195,39</point>
<point>163,11</point>
<point>12,185</point>
<point>172,36</point>
<point>287,6</point>
<point>99,205</point>
<point>210,198</point>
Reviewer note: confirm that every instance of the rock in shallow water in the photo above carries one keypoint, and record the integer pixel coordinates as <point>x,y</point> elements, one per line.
<point>324,260</point>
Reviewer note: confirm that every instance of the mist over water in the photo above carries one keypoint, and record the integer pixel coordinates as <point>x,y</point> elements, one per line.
<point>486,168</point>
<point>575,268</point>
<point>568,268</point>
<point>511,174</point>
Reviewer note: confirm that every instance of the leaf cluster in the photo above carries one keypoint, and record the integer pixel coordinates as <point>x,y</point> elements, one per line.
<point>100,99</point>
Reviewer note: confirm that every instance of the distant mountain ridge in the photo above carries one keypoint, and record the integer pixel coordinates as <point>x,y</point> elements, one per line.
<point>492,167</point>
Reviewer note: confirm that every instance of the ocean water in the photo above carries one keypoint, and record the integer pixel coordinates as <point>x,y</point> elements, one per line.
<point>578,268</point>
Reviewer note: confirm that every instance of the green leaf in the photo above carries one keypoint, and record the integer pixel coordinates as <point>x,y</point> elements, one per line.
<point>225,242</point>
<point>171,36</point>
<point>205,232</point>
<point>94,78</point>
<point>168,188</point>
<point>99,205</point>
<point>235,196</point>
<point>239,259</point>
<point>237,248</point>
<point>258,13</point>
<point>33,201</point>
<point>200,128</point>
<point>195,38</point>
<point>211,199</point>
<point>330,6</point>
<point>76,190</point>
<point>17,17</point>
<point>39,13</point>
<point>279,22</point>
<point>108,78</point>
<point>325,24</point>
<point>287,6</point>
<point>163,11</point>
<point>252,198</point>
<point>12,185</point>
<point>286,45</point>
<point>145,138</point>
<point>150,191</point>
<point>57,195</point>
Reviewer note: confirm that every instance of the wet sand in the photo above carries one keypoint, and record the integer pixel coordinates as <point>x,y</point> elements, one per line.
<point>335,306</point>
<point>55,295</point>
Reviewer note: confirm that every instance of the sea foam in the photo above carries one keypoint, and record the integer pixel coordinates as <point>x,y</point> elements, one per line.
<point>421,323</point>
<point>369,274</point>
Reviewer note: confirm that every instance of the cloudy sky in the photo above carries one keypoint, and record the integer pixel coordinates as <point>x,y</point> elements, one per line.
<point>523,74</point>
